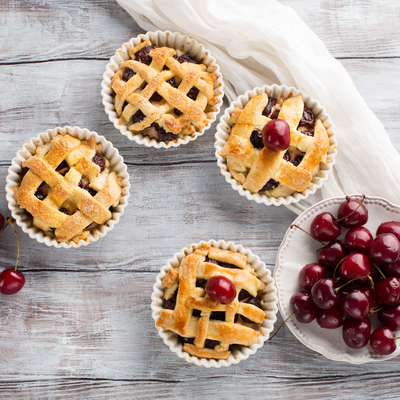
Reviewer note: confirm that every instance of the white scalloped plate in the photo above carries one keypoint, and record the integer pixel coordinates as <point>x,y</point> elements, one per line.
<point>298,249</point>
<point>269,306</point>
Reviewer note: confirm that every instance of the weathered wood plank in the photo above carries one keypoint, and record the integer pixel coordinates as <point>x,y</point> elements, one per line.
<point>213,387</point>
<point>76,29</point>
<point>170,207</point>
<point>98,326</point>
<point>68,93</point>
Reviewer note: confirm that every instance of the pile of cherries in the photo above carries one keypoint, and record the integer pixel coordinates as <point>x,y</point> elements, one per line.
<point>353,279</point>
<point>11,280</point>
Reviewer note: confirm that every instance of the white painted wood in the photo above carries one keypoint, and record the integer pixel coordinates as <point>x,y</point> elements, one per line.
<point>82,327</point>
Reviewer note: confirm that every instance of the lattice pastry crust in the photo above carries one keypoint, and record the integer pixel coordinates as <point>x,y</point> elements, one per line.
<point>234,329</point>
<point>65,191</point>
<point>159,96</point>
<point>275,173</point>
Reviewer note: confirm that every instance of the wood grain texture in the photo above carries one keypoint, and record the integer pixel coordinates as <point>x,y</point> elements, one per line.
<point>81,327</point>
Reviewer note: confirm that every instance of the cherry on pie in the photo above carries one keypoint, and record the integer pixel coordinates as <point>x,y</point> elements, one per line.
<point>206,327</point>
<point>68,188</point>
<point>163,93</point>
<point>275,173</point>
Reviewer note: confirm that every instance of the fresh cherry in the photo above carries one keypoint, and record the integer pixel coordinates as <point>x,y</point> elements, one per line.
<point>11,281</point>
<point>310,274</point>
<point>352,213</point>
<point>303,306</point>
<point>324,294</point>
<point>331,318</point>
<point>356,332</point>
<point>373,302</point>
<point>392,269</point>
<point>2,222</point>
<point>390,316</point>
<point>358,239</point>
<point>356,304</point>
<point>387,291</point>
<point>276,135</point>
<point>355,265</point>
<point>389,227</point>
<point>323,227</point>
<point>384,249</point>
<point>221,289</point>
<point>330,255</point>
<point>382,341</point>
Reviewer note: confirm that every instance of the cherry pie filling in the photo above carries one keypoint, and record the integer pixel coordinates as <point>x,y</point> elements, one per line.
<point>44,189</point>
<point>155,130</point>
<point>244,297</point>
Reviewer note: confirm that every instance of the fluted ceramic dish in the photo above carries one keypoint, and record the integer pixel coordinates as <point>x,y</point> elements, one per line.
<point>297,250</point>
<point>239,352</point>
<point>14,179</point>
<point>174,40</point>
<point>224,128</point>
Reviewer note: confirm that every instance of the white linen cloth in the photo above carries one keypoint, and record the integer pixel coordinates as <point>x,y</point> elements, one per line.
<point>260,42</point>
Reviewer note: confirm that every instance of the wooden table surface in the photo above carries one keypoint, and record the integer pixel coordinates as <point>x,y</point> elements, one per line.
<point>82,327</point>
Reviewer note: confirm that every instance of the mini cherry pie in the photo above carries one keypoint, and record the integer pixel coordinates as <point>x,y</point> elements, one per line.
<point>275,173</point>
<point>163,93</point>
<point>68,187</point>
<point>206,327</point>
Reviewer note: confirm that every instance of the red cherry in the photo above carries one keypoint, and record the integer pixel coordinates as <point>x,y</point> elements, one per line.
<point>330,255</point>
<point>303,306</point>
<point>382,341</point>
<point>2,222</point>
<point>324,294</point>
<point>356,304</point>
<point>276,135</point>
<point>331,318</point>
<point>358,239</point>
<point>355,265</point>
<point>11,281</point>
<point>373,302</point>
<point>350,216</point>
<point>389,227</point>
<point>390,316</point>
<point>221,289</point>
<point>387,291</point>
<point>392,269</point>
<point>384,249</point>
<point>356,332</point>
<point>324,228</point>
<point>310,274</point>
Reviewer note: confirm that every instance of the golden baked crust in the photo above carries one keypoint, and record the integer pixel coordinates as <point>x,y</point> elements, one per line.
<point>200,265</point>
<point>137,93</point>
<point>52,190</point>
<point>254,168</point>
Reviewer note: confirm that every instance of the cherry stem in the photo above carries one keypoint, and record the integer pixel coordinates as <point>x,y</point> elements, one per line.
<point>352,280</point>
<point>375,310</point>
<point>283,323</point>
<point>380,271</point>
<point>10,222</point>
<point>309,234</point>
<point>348,198</point>
<point>397,337</point>
<point>334,271</point>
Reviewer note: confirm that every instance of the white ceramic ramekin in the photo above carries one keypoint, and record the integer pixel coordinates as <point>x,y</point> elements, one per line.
<point>224,128</point>
<point>29,149</point>
<point>269,306</point>
<point>160,38</point>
